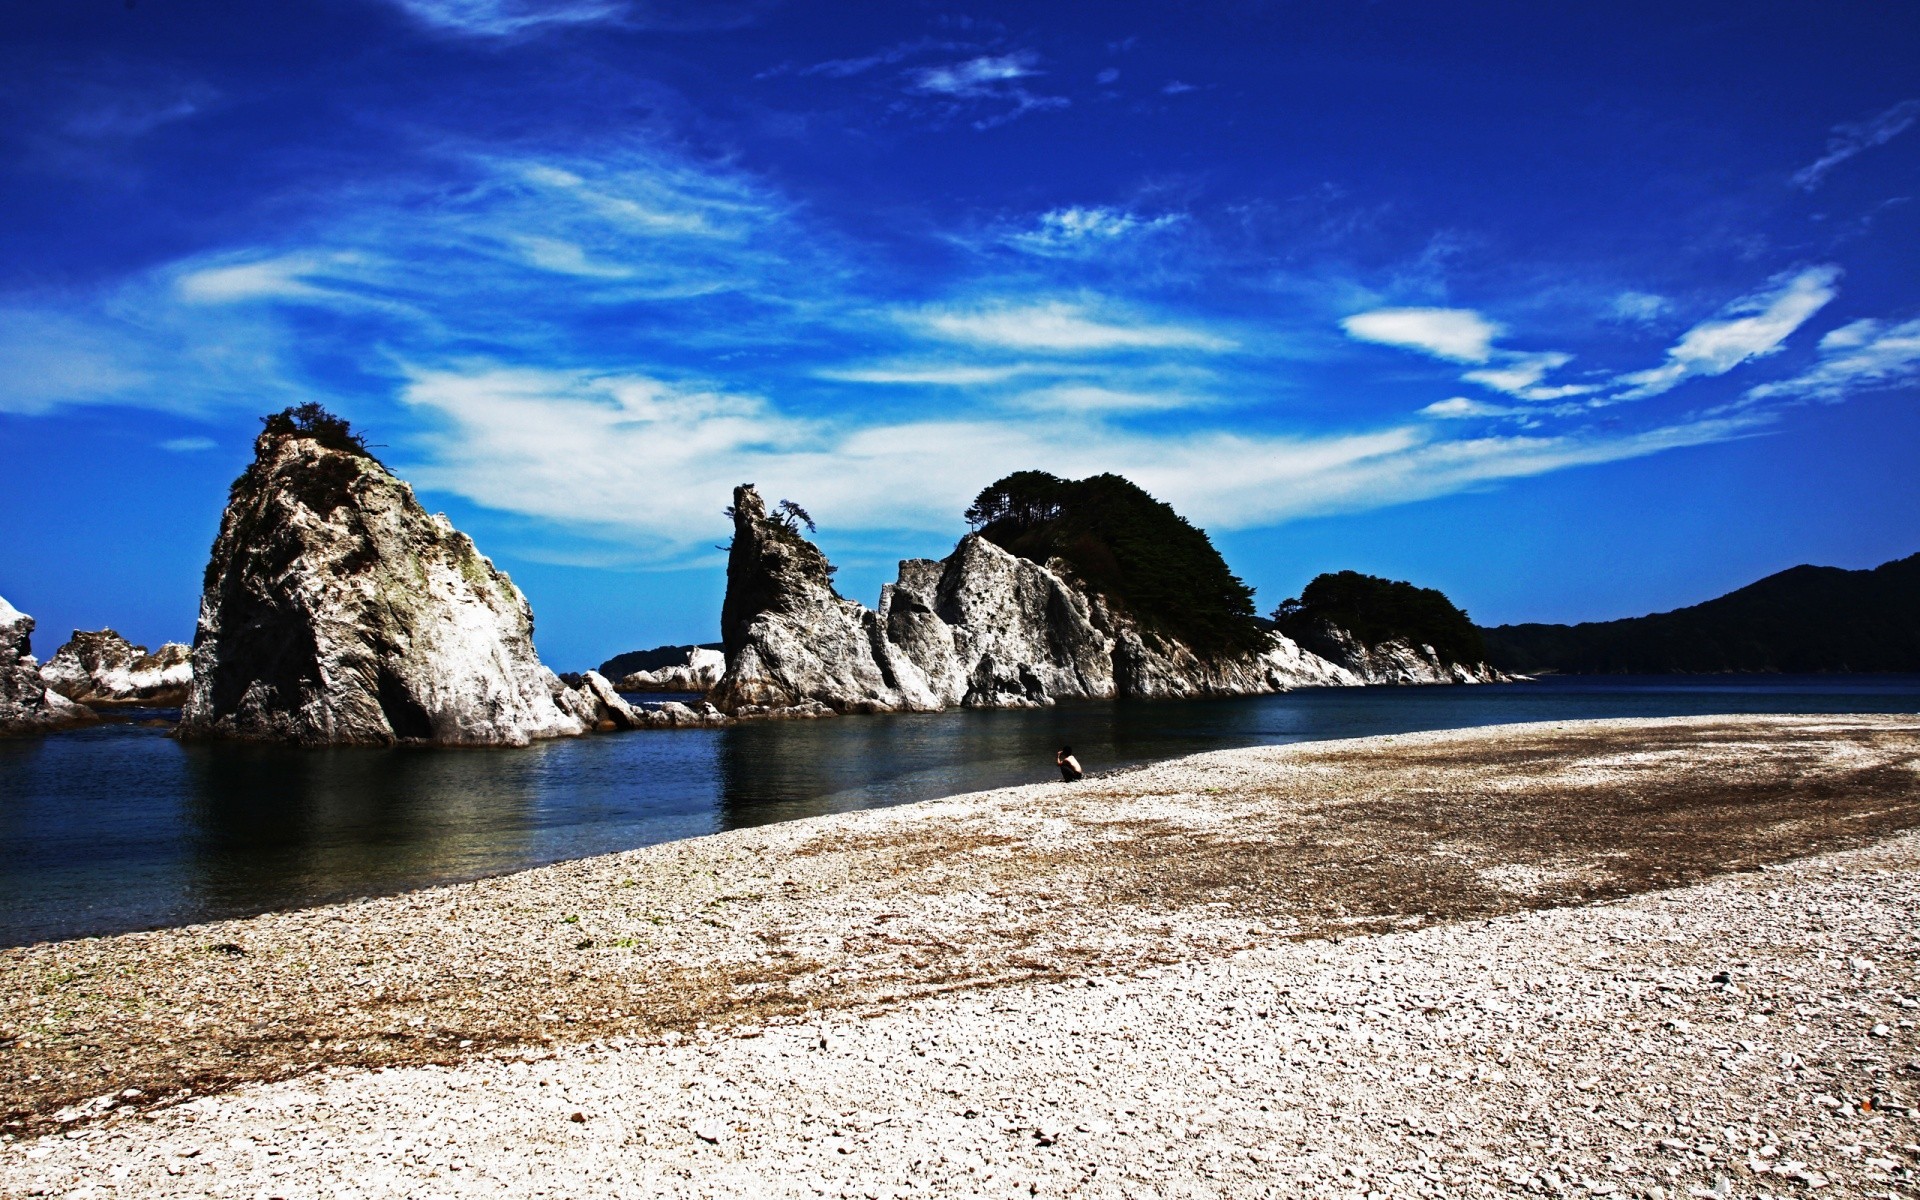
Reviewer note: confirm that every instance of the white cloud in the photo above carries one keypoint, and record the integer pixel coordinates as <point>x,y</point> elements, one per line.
<point>1638,308</point>
<point>188,445</point>
<point>935,374</point>
<point>502,18</point>
<point>1862,356</point>
<point>264,279</point>
<point>1459,407</point>
<point>1850,139</point>
<point>565,258</point>
<point>588,451</point>
<point>1455,334</point>
<point>1059,326</point>
<point>1079,231</point>
<point>1520,375</point>
<point>1751,327</point>
<point>54,360</point>
<point>993,80</point>
<point>977,77</point>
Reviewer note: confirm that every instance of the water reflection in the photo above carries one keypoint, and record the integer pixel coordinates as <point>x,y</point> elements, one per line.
<point>335,822</point>
<point>119,827</point>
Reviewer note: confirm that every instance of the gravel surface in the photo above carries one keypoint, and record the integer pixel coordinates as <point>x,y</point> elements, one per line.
<point>1174,1011</point>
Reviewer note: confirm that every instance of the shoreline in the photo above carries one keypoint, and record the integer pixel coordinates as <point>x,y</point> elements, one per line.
<point>1183,860</point>
<point>1743,1037</point>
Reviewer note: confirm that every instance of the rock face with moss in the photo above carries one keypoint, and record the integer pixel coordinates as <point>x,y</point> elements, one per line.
<point>986,627</point>
<point>102,669</point>
<point>27,705</point>
<point>1387,631</point>
<point>337,611</point>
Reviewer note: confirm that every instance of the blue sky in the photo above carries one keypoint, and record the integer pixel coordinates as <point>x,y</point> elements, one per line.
<point>1575,314</point>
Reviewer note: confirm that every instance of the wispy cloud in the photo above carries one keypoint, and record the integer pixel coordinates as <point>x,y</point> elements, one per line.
<point>1076,231</point>
<point>1519,374</point>
<point>501,18</point>
<point>507,18</point>
<point>1638,308</point>
<point>846,68</point>
<point>1463,407</point>
<point>188,445</point>
<point>986,75</point>
<point>1062,327</point>
<point>992,80</point>
<point>1850,139</point>
<point>1864,355</point>
<point>1455,334</point>
<point>262,279</point>
<point>934,374</point>
<point>577,448</point>
<point>1751,327</point>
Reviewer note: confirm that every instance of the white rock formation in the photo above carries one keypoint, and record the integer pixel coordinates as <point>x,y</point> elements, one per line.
<point>1399,661</point>
<point>338,611</point>
<point>100,668</point>
<point>27,705</point>
<point>686,669</point>
<point>982,628</point>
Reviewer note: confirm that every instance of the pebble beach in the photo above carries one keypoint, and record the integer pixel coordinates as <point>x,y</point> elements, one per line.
<point>1639,958</point>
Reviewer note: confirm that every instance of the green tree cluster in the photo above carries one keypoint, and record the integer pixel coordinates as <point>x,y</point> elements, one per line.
<point>1146,559</point>
<point>1376,610</point>
<point>313,421</point>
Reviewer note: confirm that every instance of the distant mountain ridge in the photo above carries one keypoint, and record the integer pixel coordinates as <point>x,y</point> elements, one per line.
<point>1804,620</point>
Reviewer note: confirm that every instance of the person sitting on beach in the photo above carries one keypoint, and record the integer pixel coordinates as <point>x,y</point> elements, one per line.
<point>1068,764</point>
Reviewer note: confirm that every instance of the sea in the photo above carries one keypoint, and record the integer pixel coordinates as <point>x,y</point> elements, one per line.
<point>119,827</point>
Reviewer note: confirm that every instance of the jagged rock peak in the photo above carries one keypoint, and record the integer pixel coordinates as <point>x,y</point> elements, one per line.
<point>983,628</point>
<point>101,668</point>
<point>791,641</point>
<point>337,611</point>
<point>26,704</point>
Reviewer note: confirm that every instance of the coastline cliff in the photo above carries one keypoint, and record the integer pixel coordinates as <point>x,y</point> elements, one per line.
<point>983,628</point>
<point>337,611</point>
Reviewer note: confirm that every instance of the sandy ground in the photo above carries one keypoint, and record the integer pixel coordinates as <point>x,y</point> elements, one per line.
<point>1134,986</point>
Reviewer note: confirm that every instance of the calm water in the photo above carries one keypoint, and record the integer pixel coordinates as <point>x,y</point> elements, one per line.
<point>119,827</point>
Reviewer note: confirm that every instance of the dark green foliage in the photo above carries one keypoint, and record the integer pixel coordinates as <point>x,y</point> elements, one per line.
<point>312,421</point>
<point>1376,610</point>
<point>793,517</point>
<point>1800,621</point>
<point>1134,550</point>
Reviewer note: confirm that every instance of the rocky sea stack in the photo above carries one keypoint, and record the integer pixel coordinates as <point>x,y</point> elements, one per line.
<point>989,627</point>
<point>338,611</point>
<point>101,669</point>
<point>27,705</point>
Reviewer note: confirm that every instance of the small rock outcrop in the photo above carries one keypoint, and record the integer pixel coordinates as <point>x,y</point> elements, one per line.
<point>1397,661</point>
<point>338,611</point>
<point>667,669</point>
<point>27,705</point>
<point>982,628</point>
<point>101,669</point>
